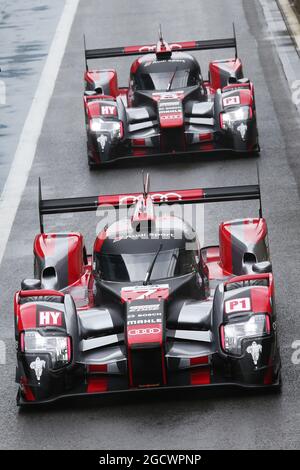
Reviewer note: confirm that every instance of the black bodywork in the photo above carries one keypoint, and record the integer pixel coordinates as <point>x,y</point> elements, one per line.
<point>200,317</point>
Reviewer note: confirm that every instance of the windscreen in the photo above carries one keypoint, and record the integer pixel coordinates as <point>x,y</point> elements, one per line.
<point>133,267</point>
<point>161,80</point>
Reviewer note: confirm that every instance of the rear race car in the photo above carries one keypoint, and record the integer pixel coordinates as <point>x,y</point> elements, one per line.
<point>149,308</point>
<point>168,107</point>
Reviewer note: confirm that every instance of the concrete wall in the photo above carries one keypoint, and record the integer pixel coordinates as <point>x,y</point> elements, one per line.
<point>297,5</point>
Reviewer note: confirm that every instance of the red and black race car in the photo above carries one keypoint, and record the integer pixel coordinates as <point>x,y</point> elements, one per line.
<point>168,108</point>
<point>149,308</point>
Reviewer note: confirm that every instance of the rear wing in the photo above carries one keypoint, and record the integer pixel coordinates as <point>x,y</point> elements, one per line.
<point>200,45</point>
<point>182,196</point>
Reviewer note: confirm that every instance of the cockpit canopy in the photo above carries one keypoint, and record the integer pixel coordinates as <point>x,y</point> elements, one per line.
<point>180,71</point>
<point>126,256</point>
<point>128,267</point>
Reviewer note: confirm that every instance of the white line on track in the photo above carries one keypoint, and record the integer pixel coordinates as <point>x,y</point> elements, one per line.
<point>24,156</point>
<point>292,20</point>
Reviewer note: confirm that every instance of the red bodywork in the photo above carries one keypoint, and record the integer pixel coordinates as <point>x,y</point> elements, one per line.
<point>144,333</point>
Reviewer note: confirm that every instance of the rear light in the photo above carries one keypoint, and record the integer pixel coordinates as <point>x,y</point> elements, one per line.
<point>138,142</point>
<point>199,361</point>
<point>97,368</point>
<point>233,334</point>
<point>58,346</point>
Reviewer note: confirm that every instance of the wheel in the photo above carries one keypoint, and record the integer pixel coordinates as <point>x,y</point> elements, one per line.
<point>93,167</point>
<point>255,153</point>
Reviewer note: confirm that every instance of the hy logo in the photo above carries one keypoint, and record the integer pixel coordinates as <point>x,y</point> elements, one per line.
<point>49,318</point>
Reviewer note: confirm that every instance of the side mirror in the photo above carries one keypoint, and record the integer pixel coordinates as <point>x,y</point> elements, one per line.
<point>262,267</point>
<point>232,80</point>
<point>31,284</point>
<point>244,80</point>
<point>90,93</point>
<point>49,278</point>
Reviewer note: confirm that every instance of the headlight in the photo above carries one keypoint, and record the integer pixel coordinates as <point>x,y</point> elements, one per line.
<point>234,333</point>
<point>114,128</point>
<point>59,347</point>
<point>229,118</point>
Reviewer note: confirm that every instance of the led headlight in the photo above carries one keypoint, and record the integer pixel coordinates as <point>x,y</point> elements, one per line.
<point>234,333</point>
<point>57,346</point>
<point>229,118</point>
<point>114,128</point>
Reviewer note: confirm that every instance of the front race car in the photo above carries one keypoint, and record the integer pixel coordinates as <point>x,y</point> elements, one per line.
<point>145,312</point>
<point>59,356</point>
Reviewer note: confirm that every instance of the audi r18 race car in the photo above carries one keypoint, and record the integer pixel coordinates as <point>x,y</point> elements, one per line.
<point>168,108</point>
<point>149,308</point>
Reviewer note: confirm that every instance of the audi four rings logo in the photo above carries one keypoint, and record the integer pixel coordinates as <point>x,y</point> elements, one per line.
<point>170,117</point>
<point>161,197</point>
<point>144,331</point>
<point>147,48</point>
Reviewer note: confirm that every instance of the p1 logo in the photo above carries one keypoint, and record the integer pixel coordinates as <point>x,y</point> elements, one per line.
<point>238,305</point>
<point>231,101</point>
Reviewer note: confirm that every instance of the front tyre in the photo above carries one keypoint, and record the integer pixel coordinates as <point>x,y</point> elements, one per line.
<point>92,165</point>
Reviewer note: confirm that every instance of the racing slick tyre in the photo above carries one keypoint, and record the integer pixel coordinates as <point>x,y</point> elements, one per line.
<point>92,165</point>
<point>278,387</point>
<point>256,152</point>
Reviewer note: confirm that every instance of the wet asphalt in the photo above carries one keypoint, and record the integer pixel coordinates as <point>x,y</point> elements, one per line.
<point>193,420</point>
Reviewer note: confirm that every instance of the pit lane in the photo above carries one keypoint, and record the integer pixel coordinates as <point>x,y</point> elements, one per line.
<point>180,420</point>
